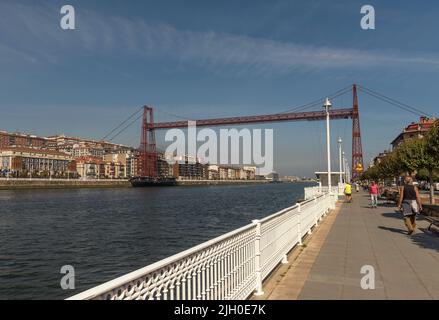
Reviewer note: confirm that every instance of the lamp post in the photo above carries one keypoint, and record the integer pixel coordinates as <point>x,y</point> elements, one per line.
<point>340,180</point>
<point>327,105</point>
<point>344,167</point>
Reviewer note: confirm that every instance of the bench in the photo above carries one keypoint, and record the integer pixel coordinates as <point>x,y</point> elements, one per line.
<point>432,220</point>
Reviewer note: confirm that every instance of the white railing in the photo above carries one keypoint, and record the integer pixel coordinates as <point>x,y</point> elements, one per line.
<point>232,266</point>
<point>311,192</point>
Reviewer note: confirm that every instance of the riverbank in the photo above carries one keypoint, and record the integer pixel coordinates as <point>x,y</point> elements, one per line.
<point>218,182</point>
<point>13,184</point>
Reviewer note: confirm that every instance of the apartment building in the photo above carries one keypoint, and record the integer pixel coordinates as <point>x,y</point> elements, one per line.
<point>32,162</point>
<point>21,140</point>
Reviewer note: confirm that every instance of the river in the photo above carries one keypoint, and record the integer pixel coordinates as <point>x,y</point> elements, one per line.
<point>105,233</point>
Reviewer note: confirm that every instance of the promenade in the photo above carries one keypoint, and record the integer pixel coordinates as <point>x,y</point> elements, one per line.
<point>329,265</point>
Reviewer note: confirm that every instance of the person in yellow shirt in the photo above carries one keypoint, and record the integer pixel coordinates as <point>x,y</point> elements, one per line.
<point>348,192</point>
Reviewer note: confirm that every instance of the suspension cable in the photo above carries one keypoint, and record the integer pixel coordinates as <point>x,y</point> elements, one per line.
<point>121,124</point>
<point>126,127</point>
<point>394,102</point>
<point>319,101</point>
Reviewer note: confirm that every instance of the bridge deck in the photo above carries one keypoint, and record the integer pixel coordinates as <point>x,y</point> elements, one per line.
<point>406,267</point>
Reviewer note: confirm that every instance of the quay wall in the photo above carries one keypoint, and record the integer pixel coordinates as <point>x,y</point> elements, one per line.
<point>58,184</point>
<point>218,182</point>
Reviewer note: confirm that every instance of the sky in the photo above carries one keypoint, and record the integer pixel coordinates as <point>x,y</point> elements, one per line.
<point>205,59</point>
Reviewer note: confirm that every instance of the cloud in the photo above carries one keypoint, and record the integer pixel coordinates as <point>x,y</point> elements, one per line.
<point>32,34</point>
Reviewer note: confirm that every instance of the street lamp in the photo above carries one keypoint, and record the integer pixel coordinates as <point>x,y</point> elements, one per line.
<point>344,167</point>
<point>327,105</point>
<point>340,180</point>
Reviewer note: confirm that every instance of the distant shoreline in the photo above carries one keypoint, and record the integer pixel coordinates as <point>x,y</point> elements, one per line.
<point>61,184</point>
<point>18,184</point>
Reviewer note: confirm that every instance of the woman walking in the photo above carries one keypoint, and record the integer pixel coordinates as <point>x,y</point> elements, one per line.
<point>409,203</point>
<point>373,191</point>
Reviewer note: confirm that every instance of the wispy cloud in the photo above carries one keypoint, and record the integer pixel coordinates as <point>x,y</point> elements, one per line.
<point>32,34</point>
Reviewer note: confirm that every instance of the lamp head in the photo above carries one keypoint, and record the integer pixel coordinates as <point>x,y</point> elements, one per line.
<point>327,104</point>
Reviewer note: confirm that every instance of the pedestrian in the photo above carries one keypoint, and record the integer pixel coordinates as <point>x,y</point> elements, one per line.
<point>348,192</point>
<point>409,203</point>
<point>357,186</point>
<point>373,191</point>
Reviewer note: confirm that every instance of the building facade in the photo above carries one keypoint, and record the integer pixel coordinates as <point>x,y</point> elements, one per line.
<point>415,130</point>
<point>24,162</point>
<point>21,140</point>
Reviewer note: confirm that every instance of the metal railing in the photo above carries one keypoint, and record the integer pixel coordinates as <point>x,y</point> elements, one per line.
<point>319,190</point>
<point>232,266</point>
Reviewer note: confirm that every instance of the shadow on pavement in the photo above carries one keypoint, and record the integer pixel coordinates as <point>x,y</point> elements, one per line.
<point>426,239</point>
<point>401,231</point>
<point>387,205</point>
<point>394,214</point>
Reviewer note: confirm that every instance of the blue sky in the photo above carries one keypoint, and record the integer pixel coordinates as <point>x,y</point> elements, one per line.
<point>201,59</point>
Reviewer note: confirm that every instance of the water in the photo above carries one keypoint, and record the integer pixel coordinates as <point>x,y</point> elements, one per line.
<point>105,233</point>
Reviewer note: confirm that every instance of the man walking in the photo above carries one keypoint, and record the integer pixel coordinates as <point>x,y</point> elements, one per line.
<point>409,203</point>
<point>373,191</point>
<point>348,192</point>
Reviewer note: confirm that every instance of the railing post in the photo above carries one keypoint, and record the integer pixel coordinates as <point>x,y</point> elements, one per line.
<point>316,214</point>
<point>299,224</point>
<point>258,273</point>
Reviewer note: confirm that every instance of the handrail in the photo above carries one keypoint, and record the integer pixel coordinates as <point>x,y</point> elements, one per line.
<point>231,266</point>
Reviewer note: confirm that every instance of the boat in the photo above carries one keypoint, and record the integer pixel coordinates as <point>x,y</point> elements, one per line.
<point>140,182</point>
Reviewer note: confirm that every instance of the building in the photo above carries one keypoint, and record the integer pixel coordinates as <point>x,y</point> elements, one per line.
<point>23,162</point>
<point>164,168</point>
<point>190,170</point>
<point>377,160</point>
<point>79,147</point>
<point>90,168</point>
<point>323,178</point>
<point>124,162</point>
<point>414,130</point>
<point>21,140</point>
<point>114,170</point>
<point>273,177</point>
<point>248,173</point>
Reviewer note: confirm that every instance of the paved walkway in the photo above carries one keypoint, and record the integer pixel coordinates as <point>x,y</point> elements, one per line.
<point>329,267</point>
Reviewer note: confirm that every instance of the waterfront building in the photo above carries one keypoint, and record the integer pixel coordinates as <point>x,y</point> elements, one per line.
<point>114,170</point>
<point>189,168</point>
<point>79,147</point>
<point>90,168</point>
<point>86,150</point>
<point>164,168</point>
<point>213,172</point>
<point>274,177</point>
<point>414,130</point>
<point>248,173</point>
<point>32,162</point>
<point>123,162</point>
<point>21,140</point>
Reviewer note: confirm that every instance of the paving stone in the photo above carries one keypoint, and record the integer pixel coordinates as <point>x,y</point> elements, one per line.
<point>405,267</point>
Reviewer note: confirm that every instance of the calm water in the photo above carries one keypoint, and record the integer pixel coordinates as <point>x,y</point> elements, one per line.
<point>105,233</point>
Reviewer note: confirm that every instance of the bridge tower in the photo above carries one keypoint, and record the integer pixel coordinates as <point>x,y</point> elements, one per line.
<point>148,151</point>
<point>357,150</point>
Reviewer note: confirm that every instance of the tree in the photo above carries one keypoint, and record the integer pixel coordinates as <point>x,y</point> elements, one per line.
<point>417,154</point>
<point>432,152</point>
<point>389,167</point>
